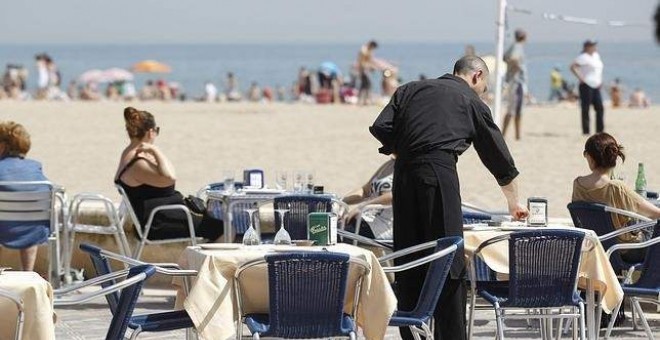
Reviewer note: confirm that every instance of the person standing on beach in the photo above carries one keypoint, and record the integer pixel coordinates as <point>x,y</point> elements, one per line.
<point>42,76</point>
<point>365,66</point>
<point>556,82</point>
<point>588,68</point>
<point>516,78</point>
<point>427,125</point>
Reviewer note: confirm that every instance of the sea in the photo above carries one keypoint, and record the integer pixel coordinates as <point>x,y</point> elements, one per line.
<point>636,64</point>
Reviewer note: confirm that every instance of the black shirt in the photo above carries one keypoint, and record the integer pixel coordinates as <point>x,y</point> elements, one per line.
<point>442,115</point>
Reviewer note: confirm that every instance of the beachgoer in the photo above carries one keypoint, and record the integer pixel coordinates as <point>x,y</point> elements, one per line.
<point>148,177</point>
<point>72,90</point>
<point>389,83</point>
<point>281,93</point>
<point>378,190</point>
<point>588,68</point>
<point>254,93</point>
<point>601,151</point>
<point>516,79</point>
<point>470,50</point>
<point>128,91</point>
<point>24,236</point>
<point>42,76</point>
<point>556,82</point>
<point>615,92</point>
<point>232,91</point>
<point>639,99</point>
<point>148,91</point>
<point>364,67</point>
<point>267,94</point>
<point>427,125</point>
<point>210,92</point>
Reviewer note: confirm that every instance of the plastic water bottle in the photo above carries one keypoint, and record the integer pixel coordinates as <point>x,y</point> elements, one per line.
<point>640,182</point>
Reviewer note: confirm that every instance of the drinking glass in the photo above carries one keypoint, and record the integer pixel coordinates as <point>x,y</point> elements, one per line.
<point>298,181</point>
<point>229,181</point>
<point>282,236</point>
<point>251,236</point>
<point>310,183</point>
<point>280,180</point>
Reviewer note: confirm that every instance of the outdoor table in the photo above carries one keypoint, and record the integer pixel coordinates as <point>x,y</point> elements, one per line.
<point>595,273</point>
<point>220,202</point>
<point>37,296</point>
<point>211,302</point>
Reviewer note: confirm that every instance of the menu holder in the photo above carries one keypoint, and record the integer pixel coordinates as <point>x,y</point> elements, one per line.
<point>538,212</point>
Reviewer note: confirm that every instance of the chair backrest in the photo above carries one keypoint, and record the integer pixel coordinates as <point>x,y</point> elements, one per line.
<point>436,276</point>
<point>240,218</point>
<point>306,292</point>
<point>102,267</point>
<point>543,268</point>
<point>126,211</point>
<point>299,207</point>
<point>650,275</point>
<point>23,202</point>
<point>594,216</point>
<point>129,295</point>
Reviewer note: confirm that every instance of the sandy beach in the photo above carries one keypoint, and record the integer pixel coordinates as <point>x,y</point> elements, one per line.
<point>79,145</point>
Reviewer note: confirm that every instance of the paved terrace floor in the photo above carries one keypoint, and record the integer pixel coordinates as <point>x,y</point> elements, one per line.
<point>90,321</point>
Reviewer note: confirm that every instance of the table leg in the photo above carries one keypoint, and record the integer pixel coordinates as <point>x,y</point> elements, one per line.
<point>591,308</point>
<point>227,221</point>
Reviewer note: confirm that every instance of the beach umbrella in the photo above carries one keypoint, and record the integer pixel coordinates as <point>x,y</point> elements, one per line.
<point>117,74</point>
<point>92,76</point>
<point>151,66</point>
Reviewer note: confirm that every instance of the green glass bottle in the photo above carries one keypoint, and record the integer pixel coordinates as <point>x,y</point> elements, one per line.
<point>640,182</point>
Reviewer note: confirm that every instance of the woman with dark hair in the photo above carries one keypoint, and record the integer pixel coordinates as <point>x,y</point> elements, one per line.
<point>24,236</point>
<point>601,151</point>
<point>148,178</point>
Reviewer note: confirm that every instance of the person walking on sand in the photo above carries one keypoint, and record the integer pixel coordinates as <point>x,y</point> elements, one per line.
<point>588,68</point>
<point>427,125</point>
<point>365,66</point>
<point>516,78</point>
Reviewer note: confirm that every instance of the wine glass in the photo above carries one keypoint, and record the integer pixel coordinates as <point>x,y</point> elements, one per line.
<point>282,236</point>
<point>280,179</point>
<point>310,182</point>
<point>251,236</point>
<point>298,181</point>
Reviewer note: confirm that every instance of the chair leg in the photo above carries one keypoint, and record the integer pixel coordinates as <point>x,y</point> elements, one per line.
<point>255,336</point>
<point>135,333</point>
<point>415,333</point>
<point>575,324</point>
<point>615,312</point>
<point>352,336</point>
<point>138,251</point>
<point>473,300</point>
<point>500,324</point>
<point>583,327</point>
<point>20,323</point>
<point>645,324</point>
<point>559,325</point>
<point>428,330</point>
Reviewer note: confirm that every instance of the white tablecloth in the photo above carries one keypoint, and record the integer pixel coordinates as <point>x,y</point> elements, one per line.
<point>37,295</point>
<point>211,304</point>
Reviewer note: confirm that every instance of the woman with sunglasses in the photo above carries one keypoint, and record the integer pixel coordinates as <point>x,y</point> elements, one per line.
<point>148,177</point>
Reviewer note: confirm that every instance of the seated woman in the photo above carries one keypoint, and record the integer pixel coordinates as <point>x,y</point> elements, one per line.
<point>601,151</point>
<point>378,190</point>
<point>148,178</point>
<point>25,236</point>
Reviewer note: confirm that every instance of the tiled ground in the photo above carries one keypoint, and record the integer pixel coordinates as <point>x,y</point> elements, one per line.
<point>90,321</point>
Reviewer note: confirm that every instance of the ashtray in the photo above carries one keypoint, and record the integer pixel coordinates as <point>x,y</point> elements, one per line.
<point>303,243</point>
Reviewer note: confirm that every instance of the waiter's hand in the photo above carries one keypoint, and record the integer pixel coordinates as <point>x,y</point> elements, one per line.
<point>518,211</point>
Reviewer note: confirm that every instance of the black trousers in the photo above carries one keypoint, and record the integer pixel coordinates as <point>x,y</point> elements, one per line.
<point>427,206</point>
<point>590,96</point>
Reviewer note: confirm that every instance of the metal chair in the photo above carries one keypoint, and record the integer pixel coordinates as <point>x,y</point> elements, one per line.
<point>419,320</point>
<point>598,217</point>
<point>543,273</point>
<point>122,306</point>
<point>647,287</point>
<point>126,212</point>
<point>307,291</point>
<point>74,225</point>
<point>20,317</point>
<point>35,201</point>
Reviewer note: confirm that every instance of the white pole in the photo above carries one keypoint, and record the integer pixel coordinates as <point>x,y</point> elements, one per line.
<point>499,55</point>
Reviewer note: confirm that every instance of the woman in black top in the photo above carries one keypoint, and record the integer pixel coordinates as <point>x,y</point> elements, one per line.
<point>148,178</point>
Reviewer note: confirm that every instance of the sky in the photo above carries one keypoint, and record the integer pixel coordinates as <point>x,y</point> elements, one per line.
<point>305,21</point>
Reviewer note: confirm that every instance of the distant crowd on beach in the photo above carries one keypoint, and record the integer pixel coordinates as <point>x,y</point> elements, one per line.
<point>370,80</point>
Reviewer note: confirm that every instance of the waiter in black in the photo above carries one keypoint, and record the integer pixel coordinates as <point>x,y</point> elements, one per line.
<point>427,125</point>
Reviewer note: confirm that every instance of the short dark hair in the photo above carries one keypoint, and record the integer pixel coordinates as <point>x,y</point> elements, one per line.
<point>470,63</point>
<point>372,44</point>
<point>604,150</point>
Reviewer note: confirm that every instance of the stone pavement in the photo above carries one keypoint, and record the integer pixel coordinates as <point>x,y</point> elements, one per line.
<point>90,321</point>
